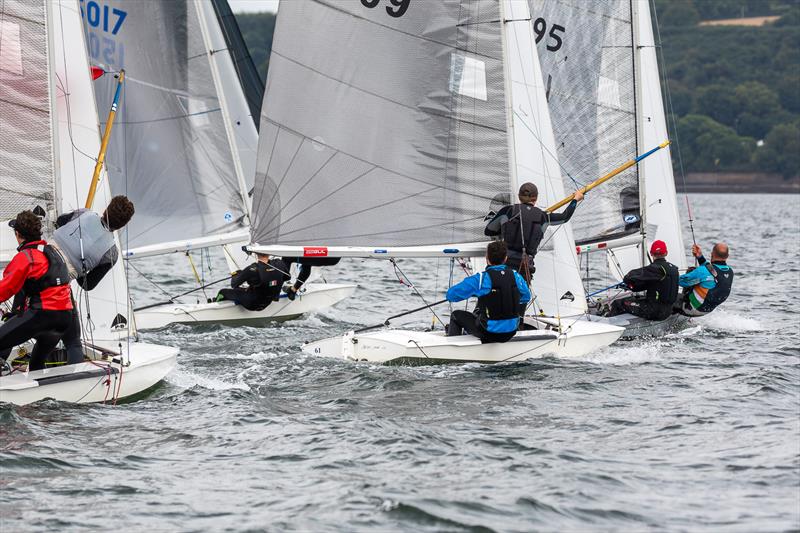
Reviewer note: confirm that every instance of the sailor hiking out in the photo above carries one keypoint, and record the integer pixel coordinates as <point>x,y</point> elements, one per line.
<point>659,281</point>
<point>86,240</point>
<point>264,280</point>
<point>502,296</point>
<point>707,285</point>
<point>38,273</point>
<point>522,226</point>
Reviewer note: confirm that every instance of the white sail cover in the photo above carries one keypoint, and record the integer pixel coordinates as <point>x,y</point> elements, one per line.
<point>26,127</point>
<point>383,124</point>
<point>170,151</point>
<point>586,53</point>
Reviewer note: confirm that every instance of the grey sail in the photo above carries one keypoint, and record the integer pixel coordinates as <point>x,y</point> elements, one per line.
<point>586,53</point>
<point>169,151</point>
<point>26,132</point>
<point>395,135</point>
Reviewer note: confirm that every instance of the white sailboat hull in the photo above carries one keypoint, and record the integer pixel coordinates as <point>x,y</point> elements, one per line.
<point>315,297</point>
<point>396,346</point>
<point>90,382</point>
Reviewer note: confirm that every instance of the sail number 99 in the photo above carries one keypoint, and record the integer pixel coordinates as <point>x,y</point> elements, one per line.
<point>540,29</point>
<point>397,8</point>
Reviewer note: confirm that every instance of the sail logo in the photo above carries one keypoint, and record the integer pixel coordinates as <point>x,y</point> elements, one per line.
<point>315,251</point>
<point>630,219</point>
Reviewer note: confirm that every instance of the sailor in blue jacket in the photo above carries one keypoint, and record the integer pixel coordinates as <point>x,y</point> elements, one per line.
<point>502,294</point>
<point>708,285</point>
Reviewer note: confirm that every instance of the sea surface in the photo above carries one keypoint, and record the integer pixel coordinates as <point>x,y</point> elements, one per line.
<point>695,431</point>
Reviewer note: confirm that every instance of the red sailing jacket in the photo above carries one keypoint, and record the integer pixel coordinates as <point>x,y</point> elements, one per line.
<point>22,268</point>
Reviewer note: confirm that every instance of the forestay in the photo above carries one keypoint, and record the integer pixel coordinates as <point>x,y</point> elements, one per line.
<point>587,57</point>
<point>183,145</point>
<point>383,125</point>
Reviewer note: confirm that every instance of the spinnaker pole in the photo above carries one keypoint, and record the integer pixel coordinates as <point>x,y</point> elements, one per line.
<point>607,177</point>
<point>104,143</point>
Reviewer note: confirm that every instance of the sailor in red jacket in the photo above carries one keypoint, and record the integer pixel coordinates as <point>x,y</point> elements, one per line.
<point>40,271</point>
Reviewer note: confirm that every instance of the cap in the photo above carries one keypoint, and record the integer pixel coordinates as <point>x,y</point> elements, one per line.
<point>528,189</point>
<point>658,248</point>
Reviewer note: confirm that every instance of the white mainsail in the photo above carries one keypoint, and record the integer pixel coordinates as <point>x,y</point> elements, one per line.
<point>183,147</point>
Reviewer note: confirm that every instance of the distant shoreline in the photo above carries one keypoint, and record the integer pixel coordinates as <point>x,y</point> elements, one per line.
<point>734,182</point>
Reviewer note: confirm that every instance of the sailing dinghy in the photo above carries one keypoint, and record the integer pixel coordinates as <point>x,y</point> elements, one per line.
<point>394,143</point>
<point>601,75</point>
<point>184,148</point>
<point>48,140</point>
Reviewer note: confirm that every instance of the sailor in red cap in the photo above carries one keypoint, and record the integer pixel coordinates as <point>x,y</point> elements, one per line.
<point>659,282</point>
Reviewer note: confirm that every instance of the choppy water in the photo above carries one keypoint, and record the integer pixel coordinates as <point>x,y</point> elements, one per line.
<point>697,431</point>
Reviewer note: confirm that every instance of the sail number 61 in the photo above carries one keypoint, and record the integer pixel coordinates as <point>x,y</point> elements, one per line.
<point>400,6</point>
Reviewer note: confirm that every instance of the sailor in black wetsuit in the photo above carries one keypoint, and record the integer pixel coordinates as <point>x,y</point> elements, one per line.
<point>660,281</point>
<point>522,227</point>
<point>264,280</point>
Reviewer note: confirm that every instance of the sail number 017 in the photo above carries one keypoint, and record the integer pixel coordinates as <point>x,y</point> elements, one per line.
<point>397,8</point>
<point>540,29</point>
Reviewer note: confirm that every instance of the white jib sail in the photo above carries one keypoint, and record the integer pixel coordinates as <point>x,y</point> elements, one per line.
<point>557,283</point>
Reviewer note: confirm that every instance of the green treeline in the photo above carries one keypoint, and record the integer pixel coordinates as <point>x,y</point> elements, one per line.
<point>735,90</point>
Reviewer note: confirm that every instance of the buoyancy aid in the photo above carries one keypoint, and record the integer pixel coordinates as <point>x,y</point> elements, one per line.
<point>720,292</point>
<point>502,301</point>
<point>665,292</point>
<point>56,275</point>
<point>84,241</point>
<point>523,231</point>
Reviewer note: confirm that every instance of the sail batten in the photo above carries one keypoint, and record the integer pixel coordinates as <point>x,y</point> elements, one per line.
<point>400,132</point>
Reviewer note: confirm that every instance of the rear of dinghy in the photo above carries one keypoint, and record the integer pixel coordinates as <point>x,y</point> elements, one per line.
<point>395,346</point>
<point>314,298</point>
<point>108,377</point>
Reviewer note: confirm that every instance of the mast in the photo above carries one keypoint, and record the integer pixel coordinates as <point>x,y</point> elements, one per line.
<point>223,104</point>
<point>51,77</point>
<point>509,105</point>
<point>638,97</point>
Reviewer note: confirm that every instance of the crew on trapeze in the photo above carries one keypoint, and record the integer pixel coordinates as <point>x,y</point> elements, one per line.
<point>707,285</point>
<point>502,296</point>
<point>45,311</point>
<point>521,226</point>
<point>264,280</point>
<point>659,281</point>
<point>305,271</point>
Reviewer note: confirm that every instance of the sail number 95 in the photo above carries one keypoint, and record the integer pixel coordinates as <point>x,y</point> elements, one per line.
<point>540,29</point>
<point>397,8</point>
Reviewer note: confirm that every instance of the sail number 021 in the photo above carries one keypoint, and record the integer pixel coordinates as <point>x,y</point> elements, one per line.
<point>397,8</point>
<point>540,29</point>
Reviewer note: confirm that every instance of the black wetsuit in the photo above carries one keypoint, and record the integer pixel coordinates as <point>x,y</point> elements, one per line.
<point>305,266</point>
<point>660,281</point>
<point>264,283</point>
<point>522,227</point>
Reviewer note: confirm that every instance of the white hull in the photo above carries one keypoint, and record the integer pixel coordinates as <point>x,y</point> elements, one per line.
<point>313,298</point>
<point>107,379</point>
<point>578,337</point>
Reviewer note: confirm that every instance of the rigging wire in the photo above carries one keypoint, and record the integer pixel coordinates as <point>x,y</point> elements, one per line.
<point>671,112</point>
<point>405,280</point>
